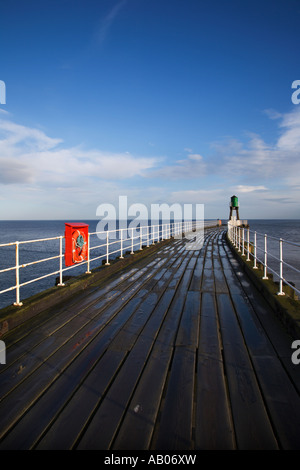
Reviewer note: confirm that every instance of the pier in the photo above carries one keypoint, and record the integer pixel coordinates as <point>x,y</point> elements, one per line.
<point>177,350</point>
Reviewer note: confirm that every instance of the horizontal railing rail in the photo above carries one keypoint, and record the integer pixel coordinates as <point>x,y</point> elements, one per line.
<point>113,242</point>
<point>255,245</point>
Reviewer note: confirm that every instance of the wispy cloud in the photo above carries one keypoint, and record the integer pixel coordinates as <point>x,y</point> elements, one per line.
<point>106,23</point>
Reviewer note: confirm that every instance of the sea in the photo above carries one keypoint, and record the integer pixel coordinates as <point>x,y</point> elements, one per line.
<point>11,231</point>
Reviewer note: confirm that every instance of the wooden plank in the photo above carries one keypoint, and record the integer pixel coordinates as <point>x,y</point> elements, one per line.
<point>120,368</point>
<point>126,337</point>
<point>128,334</point>
<point>65,430</point>
<point>138,424</point>
<point>213,424</point>
<point>144,405</point>
<point>197,274</point>
<point>136,429</point>
<point>161,328</point>
<point>280,396</point>
<point>213,427</point>
<point>208,283</point>
<point>209,343</point>
<point>255,336</point>
<point>31,387</point>
<point>220,280</point>
<point>44,395</point>
<point>282,400</point>
<point>174,429</point>
<point>188,332</point>
<point>273,328</point>
<point>103,427</point>
<point>80,325</point>
<point>50,320</point>
<point>269,346</point>
<point>252,425</point>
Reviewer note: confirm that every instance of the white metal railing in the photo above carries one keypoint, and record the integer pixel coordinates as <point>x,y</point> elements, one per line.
<point>113,242</point>
<point>253,244</point>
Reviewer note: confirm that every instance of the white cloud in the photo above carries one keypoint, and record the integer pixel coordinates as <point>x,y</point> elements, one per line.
<point>193,166</point>
<point>13,172</point>
<point>39,172</point>
<point>257,160</point>
<point>15,134</point>
<point>200,196</point>
<point>248,189</point>
<point>290,137</point>
<point>29,156</point>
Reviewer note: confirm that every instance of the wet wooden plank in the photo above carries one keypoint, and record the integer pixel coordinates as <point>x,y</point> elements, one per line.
<point>174,429</point>
<point>197,274</point>
<point>66,429</point>
<point>131,355</point>
<point>72,316</point>
<point>31,387</point>
<point>273,329</point>
<point>137,427</point>
<point>208,283</point>
<point>127,335</point>
<point>59,379</point>
<point>103,427</point>
<point>161,328</point>
<point>213,424</point>
<point>80,327</point>
<point>251,421</point>
<point>188,332</point>
<point>282,400</point>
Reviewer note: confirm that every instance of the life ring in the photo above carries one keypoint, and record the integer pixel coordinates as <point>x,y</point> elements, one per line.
<point>79,246</point>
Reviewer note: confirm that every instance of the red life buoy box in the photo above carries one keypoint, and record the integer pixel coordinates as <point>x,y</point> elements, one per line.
<point>76,243</point>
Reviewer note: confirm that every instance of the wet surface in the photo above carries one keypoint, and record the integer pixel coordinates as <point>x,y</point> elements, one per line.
<point>179,353</point>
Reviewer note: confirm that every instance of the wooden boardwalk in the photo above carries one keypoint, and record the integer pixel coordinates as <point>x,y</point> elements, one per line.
<point>178,352</point>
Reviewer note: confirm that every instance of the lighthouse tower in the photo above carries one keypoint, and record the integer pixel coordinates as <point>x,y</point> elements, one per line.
<point>234,205</point>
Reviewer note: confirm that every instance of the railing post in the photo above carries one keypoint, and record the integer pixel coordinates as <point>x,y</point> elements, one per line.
<point>60,261</point>
<point>239,239</point>
<point>255,266</point>
<point>141,237</point>
<point>107,249</point>
<point>17,302</point>
<point>132,252</point>
<point>147,236</point>
<point>265,259</point>
<point>280,269</point>
<point>248,244</point>
<point>121,235</point>
<point>88,255</point>
<point>243,241</point>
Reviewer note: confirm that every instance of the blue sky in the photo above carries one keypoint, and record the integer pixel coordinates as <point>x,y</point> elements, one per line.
<point>162,101</point>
